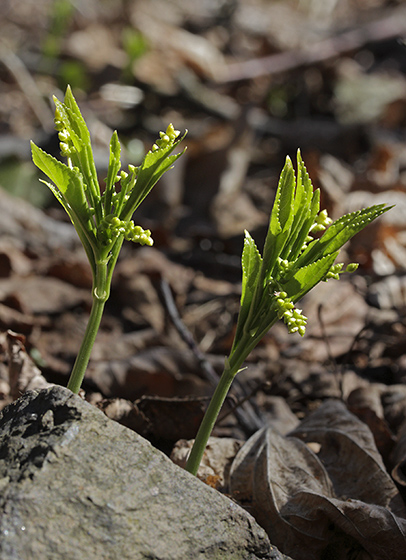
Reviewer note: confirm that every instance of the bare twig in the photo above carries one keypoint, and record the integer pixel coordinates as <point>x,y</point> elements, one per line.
<point>28,86</point>
<point>244,411</point>
<point>208,370</point>
<point>391,26</point>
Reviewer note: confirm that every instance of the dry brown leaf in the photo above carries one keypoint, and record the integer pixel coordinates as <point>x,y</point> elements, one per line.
<point>124,412</point>
<point>311,504</point>
<point>144,308</point>
<point>13,319</point>
<point>172,419</point>
<point>376,533</point>
<point>394,404</point>
<point>12,259</point>
<point>23,373</point>
<point>155,264</point>
<point>349,453</point>
<point>398,458</point>
<point>232,209</point>
<point>366,404</point>
<point>160,371</point>
<point>278,413</point>
<point>42,295</point>
<point>343,314</point>
<point>267,472</point>
<point>32,228</point>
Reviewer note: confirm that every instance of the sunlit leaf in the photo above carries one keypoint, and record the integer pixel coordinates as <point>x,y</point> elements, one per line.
<point>68,181</point>
<point>304,279</point>
<point>281,217</point>
<point>251,263</point>
<point>154,165</point>
<point>341,231</point>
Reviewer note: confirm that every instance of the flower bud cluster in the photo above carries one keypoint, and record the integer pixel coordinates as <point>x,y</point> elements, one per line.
<point>336,270</point>
<point>59,126</point>
<point>295,321</point>
<point>66,144</point>
<point>293,317</point>
<point>138,234</point>
<point>284,264</point>
<point>131,169</point>
<point>166,138</point>
<point>321,222</point>
<point>112,227</point>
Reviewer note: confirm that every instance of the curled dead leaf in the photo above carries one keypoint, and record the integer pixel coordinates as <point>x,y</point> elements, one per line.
<point>340,499</point>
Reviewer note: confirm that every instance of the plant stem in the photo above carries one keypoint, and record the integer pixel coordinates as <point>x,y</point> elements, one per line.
<point>101,290</point>
<point>209,419</point>
<point>234,363</point>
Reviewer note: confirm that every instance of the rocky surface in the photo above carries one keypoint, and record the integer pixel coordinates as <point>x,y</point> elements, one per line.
<point>75,484</point>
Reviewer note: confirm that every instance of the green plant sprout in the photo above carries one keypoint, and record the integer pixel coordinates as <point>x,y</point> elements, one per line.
<point>293,262</point>
<point>102,220</point>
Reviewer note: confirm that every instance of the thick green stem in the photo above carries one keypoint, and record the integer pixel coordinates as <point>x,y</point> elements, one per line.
<point>209,420</point>
<point>100,295</point>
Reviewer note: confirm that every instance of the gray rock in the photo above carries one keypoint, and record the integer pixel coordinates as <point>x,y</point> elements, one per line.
<point>75,484</point>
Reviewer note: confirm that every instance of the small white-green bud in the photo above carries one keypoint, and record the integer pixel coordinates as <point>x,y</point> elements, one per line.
<point>351,267</point>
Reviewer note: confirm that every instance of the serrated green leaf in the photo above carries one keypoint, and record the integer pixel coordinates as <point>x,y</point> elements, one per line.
<point>303,279</point>
<point>286,190</point>
<point>306,207</point>
<point>154,165</point>
<point>282,206</point>
<point>68,180</point>
<point>57,193</point>
<point>299,240</point>
<point>304,187</point>
<point>346,227</point>
<point>69,190</point>
<point>341,231</point>
<point>303,196</point>
<point>281,217</point>
<point>76,119</point>
<point>251,262</point>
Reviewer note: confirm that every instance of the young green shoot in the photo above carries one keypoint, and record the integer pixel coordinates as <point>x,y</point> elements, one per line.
<point>293,262</point>
<point>101,219</point>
